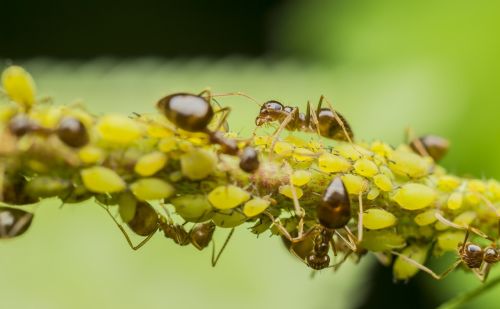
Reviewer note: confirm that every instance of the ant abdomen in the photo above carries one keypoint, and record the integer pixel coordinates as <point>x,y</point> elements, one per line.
<point>334,210</point>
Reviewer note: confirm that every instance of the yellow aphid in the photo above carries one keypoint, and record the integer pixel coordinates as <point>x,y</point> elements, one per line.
<point>127,205</point>
<point>365,167</point>
<point>7,112</point>
<point>472,198</point>
<point>185,145</point>
<point>383,182</point>
<point>448,183</point>
<point>228,218</point>
<point>476,185</point>
<point>494,189</point>
<point>414,196</point>
<point>91,154</point>
<point>382,240</point>
<point>198,164</point>
<point>19,85</point>
<point>146,189</point>
<point>227,197</point>
<point>150,163</point>
<point>283,148</point>
<point>465,218</point>
<point>159,131</point>
<point>47,117</point>
<point>315,145</point>
<point>330,163</point>
<point>425,218</point>
<point>376,219</point>
<point>455,200</point>
<point>355,184</point>
<point>408,164</point>
<point>303,154</point>
<point>373,194</point>
<point>102,180</point>
<point>175,176</point>
<point>381,149</point>
<point>167,144</point>
<point>300,177</point>
<point>193,207</point>
<point>350,151</point>
<point>286,190</point>
<point>118,129</point>
<point>255,206</point>
<point>449,241</point>
<point>262,140</point>
<point>297,141</point>
<point>402,269</point>
<point>37,166</point>
<point>385,170</point>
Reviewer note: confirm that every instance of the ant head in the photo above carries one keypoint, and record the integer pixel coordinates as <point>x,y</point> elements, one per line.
<point>491,255</point>
<point>269,111</point>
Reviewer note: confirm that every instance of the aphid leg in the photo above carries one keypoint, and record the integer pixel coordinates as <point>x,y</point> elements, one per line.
<point>215,259</point>
<point>439,216</point>
<point>282,126</point>
<point>337,118</point>
<point>20,224</point>
<point>129,241</point>
<point>426,269</point>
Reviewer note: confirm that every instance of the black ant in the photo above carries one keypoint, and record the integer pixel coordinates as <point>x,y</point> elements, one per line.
<point>14,222</point>
<point>146,222</point>
<point>70,130</point>
<point>325,121</point>
<point>333,213</point>
<point>433,146</point>
<point>193,113</point>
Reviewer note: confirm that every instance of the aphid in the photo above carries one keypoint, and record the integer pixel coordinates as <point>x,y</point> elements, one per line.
<point>14,222</point>
<point>327,122</point>
<point>433,146</point>
<point>474,257</point>
<point>193,113</point>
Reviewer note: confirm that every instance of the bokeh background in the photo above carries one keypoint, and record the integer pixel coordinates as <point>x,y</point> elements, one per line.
<point>386,65</point>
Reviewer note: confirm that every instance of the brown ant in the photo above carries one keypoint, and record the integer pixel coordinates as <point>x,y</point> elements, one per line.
<point>474,257</point>
<point>14,222</point>
<point>433,146</point>
<point>325,121</point>
<point>193,113</point>
<point>333,212</point>
<point>70,131</point>
<point>146,222</point>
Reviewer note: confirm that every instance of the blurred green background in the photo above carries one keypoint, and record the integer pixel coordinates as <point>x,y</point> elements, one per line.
<point>386,65</point>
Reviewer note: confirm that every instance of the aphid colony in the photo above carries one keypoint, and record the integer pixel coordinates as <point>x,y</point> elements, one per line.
<point>181,173</point>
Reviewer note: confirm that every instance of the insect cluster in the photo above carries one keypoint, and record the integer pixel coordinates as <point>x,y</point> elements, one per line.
<point>330,198</point>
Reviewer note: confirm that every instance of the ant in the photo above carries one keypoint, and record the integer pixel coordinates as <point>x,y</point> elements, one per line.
<point>474,257</point>
<point>146,222</point>
<point>193,113</point>
<point>333,212</point>
<point>14,222</point>
<point>433,146</point>
<point>325,121</point>
<point>70,130</point>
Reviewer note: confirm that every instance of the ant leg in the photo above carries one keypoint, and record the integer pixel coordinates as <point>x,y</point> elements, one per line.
<point>214,258</point>
<point>349,242</point>
<point>440,218</point>
<point>336,115</point>
<point>419,147</point>
<point>223,121</point>
<point>2,177</point>
<point>299,211</point>
<point>276,222</point>
<point>426,269</point>
<point>129,241</point>
<point>336,266</point>
<point>282,126</point>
